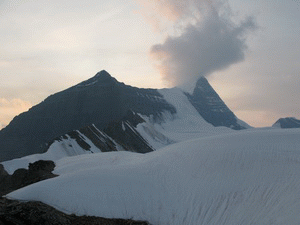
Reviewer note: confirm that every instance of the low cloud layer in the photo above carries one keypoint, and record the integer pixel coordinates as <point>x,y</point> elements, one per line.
<point>209,41</point>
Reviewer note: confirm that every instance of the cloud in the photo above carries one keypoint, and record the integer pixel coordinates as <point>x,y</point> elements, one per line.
<point>208,40</point>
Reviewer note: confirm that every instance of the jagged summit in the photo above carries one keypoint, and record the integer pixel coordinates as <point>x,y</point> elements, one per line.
<point>100,79</point>
<point>102,73</point>
<point>202,85</point>
<point>204,88</point>
<point>211,107</point>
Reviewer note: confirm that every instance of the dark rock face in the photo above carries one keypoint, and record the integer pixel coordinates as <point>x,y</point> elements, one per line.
<point>288,122</point>
<point>99,100</point>
<point>211,107</point>
<point>37,171</point>
<point>3,172</point>
<point>36,213</point>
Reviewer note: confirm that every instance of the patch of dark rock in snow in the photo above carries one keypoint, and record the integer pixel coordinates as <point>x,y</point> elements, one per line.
<point>37,171</point>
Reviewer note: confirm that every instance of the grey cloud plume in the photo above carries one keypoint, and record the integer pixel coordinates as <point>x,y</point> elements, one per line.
<point>212,42</point>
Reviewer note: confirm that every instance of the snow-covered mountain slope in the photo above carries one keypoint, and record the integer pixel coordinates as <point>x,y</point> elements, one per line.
<point>246,177</point>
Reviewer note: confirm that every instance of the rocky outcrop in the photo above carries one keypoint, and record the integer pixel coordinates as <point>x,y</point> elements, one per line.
<point>37,171</point>
<point>3,172</point>
<point>36,213</point>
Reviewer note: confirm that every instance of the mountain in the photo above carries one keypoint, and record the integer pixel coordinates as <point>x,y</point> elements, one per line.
<point>288,122</point>
<point>201,166</point>
<point>98,102</point>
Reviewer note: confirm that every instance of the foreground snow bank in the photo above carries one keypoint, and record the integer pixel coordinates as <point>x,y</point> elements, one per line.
<point>250,177</point>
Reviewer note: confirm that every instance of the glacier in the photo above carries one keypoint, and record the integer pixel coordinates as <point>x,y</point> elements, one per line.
<point>245,177</point>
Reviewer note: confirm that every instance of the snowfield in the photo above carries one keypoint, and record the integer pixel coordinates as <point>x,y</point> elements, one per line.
<point>245,177</point>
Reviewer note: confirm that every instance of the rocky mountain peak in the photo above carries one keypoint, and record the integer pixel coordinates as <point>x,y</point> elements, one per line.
<point>101,78</point>
<point>211,107</point>
<point>102,73</point>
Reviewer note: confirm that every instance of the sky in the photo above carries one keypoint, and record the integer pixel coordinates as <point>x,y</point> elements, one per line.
<point>248,50</point>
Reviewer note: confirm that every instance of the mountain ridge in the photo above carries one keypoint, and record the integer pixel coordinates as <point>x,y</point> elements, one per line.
<point>99,100</point>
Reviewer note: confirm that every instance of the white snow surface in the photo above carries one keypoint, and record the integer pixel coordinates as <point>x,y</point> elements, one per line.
<point>246,177</point>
